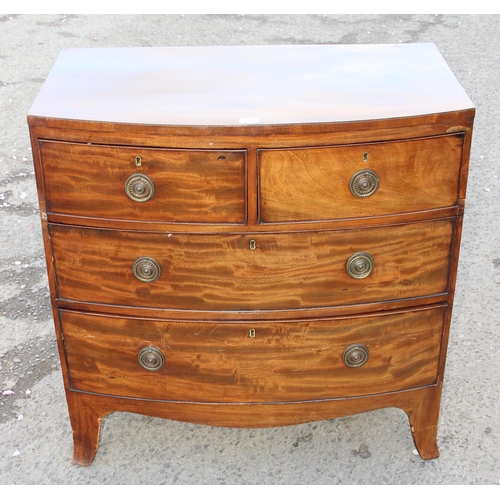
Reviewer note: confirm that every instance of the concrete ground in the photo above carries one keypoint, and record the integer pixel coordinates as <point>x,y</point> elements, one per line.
<point>35,435</point>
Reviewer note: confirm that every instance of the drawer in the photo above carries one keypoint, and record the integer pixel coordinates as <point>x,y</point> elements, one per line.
<point>187,185</point>
<point>283,361</point>
<point>222,272</point>
<point>315,183</point>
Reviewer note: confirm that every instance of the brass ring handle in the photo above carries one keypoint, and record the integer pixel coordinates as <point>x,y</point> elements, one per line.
<point>139,187</point>
<point>146,269</point>
<point>360,265</point>
<point>151,358</point>
<point>355,355</point>
<point>364,183</point>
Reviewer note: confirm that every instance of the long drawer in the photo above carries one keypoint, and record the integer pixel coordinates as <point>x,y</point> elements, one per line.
<point>252,271</point>
<point>167,185</point>
<point>326,183</point>
<point>259,362</point>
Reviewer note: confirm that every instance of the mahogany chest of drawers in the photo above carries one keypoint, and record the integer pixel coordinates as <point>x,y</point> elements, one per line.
<point>252,236</point>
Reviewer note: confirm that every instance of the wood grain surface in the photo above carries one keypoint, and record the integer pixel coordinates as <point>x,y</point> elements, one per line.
<point>190,185</point>
<point>287,361</point>
<point>313,183</point>
<point>221,272</point>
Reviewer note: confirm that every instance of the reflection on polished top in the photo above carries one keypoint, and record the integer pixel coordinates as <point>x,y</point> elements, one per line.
<point>249,85</point>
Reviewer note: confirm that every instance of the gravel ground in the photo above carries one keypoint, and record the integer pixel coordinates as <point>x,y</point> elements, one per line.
<point>372,448</point>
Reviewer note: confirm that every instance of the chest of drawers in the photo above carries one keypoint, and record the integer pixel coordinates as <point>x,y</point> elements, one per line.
<point>252,236</point>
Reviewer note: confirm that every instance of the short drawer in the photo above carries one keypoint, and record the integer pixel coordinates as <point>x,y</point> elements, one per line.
<point>326,183</point>
<point>253,362</point>
<point>182,185</point>
<point>265,271</point>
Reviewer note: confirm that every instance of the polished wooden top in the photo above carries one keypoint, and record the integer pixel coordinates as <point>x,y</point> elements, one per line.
<point>249,85</point>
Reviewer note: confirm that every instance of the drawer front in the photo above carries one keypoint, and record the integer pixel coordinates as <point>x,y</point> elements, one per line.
<point>188,185</point>
<point>283,361</point>
<point>222,272</point>
<point>315,183</point>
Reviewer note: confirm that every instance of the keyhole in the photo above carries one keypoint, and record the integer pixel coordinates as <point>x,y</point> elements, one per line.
<point>365,156</point>
<point>253,244</point>
<point>138,161</point>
